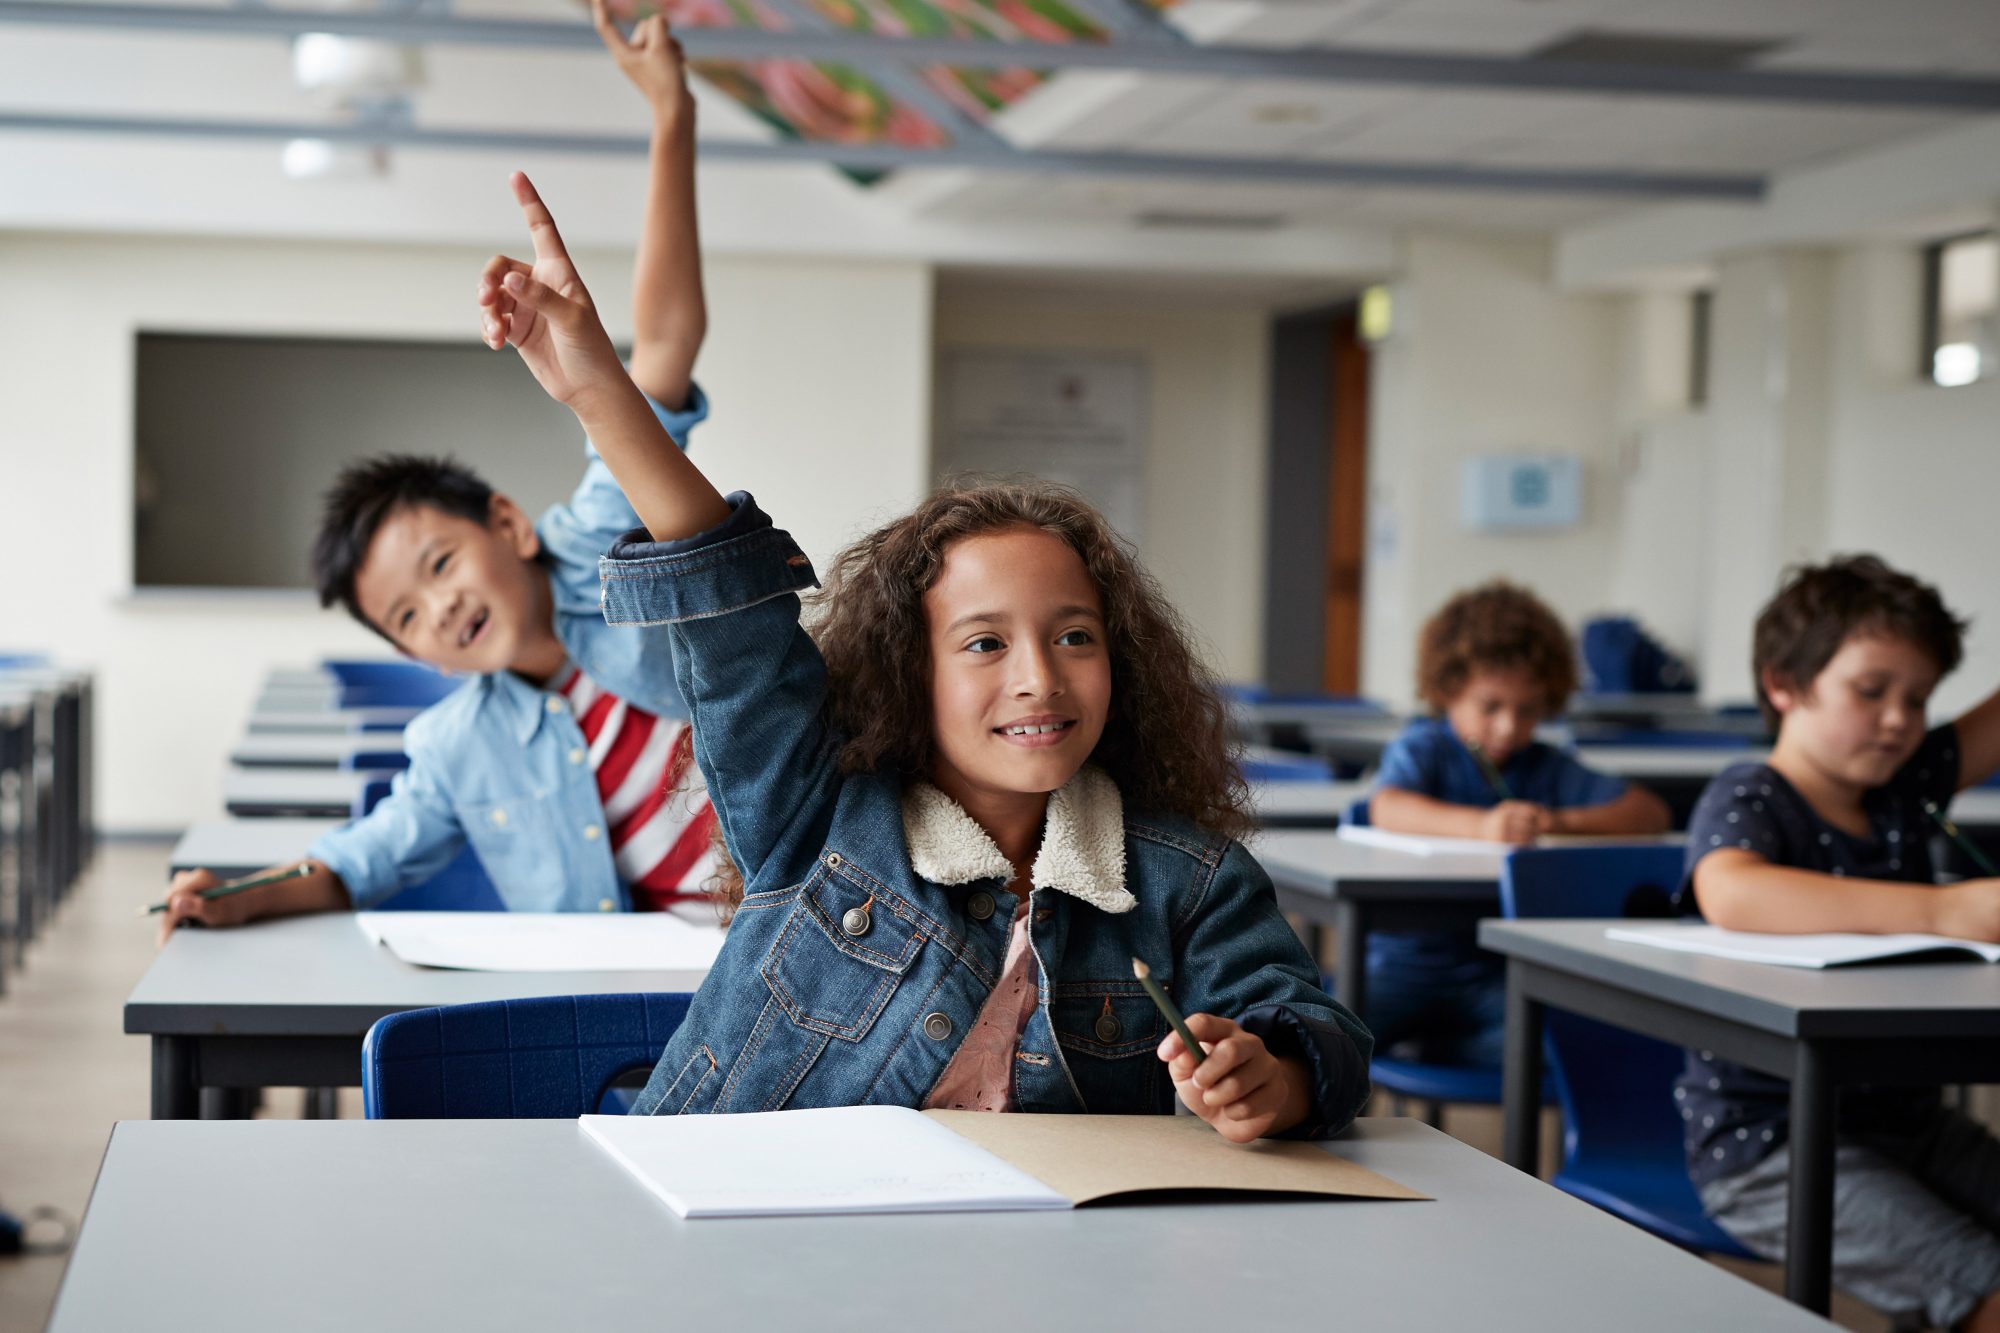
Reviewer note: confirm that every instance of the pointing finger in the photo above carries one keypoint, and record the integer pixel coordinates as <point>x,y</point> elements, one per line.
<point>541,226</point>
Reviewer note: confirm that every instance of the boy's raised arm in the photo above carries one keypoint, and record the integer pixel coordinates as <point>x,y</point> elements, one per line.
<point>1979,742</point>
<point>544,311</point>
<point>669,311</point>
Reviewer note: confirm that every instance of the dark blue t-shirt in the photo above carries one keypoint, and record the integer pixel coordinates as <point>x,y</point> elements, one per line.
<point>1735,1117</point>
<point>1428,758</point>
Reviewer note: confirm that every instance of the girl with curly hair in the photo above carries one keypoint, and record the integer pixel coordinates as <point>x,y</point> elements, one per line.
<point>997,780</point>
<point>1493,663</point>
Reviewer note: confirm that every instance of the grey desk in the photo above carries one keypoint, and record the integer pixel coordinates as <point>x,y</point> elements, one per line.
<point>1977,810</point>
<point>326,793</point>
<point>1358,740</point>
<point>1358,889</point>
<point>307,749</point>
<point>1298,805</point>
<point>503,1225</point>
<point>298,678</point>
<point>330,721</point>
<point>285,1003</point>
<point>1920,1023</point>
<point>233,847</point>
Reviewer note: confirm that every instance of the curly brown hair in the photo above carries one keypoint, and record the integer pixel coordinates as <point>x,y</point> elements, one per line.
<point>1820,606</point>
<point>1166,740</point>
<point>1498,626</point>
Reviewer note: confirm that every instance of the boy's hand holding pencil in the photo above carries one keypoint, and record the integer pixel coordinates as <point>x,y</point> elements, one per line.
<point>1229,1077</point>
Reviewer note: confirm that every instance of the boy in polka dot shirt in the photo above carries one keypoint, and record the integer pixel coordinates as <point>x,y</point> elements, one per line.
<point>1832,835</point>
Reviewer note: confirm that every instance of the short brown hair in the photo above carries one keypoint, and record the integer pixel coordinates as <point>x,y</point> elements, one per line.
<point>1819,607</point>
<point>1498,626</point>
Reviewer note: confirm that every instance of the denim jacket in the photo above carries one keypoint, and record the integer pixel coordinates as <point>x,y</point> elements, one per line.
<point>868,938</point>
<point>502,763</point>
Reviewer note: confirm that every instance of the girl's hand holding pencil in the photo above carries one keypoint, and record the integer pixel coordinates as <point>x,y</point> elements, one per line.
<point>1229,1077</point>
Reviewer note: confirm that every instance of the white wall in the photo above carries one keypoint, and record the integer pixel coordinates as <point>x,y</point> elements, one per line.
<point>819,373</point>
<point>1209,380</point>
<point>1487,357</point>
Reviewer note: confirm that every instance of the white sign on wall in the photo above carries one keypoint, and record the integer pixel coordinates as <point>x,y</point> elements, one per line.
<point>1075,418</point>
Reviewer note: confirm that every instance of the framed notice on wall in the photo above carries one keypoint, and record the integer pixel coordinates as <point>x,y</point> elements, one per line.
<point>1078,418</point>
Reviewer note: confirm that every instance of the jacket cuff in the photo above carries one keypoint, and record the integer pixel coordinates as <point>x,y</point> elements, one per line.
<point>1339,1073</point>
<point>328,850</point>
<point>738,563</point>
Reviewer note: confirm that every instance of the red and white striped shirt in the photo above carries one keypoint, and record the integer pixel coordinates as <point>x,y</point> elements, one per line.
<point>656,804</point>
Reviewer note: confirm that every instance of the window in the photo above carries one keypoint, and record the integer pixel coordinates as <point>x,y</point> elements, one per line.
<point>1961,301</point>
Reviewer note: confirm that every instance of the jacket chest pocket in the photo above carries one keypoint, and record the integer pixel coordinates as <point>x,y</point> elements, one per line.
<point>840,955</point>
<point>514,839</point>
<point>1108,1031</point>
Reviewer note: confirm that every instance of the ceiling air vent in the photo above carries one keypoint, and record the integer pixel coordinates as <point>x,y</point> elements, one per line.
<point>1174,221</point>
<point>1602,46</point>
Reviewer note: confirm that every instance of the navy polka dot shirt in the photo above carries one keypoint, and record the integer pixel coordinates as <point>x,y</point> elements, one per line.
<point>1734,1117</point>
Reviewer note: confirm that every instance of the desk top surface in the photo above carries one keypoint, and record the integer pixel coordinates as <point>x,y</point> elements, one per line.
<point>1942,998</point>
<point>1320,861</point>
<point>311,749</point>
<point>319,976</point>
<point>232,847</point>
<point>277,787</point>
<point>525,1224</point>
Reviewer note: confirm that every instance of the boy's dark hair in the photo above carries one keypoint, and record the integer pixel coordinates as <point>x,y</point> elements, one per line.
<point>1819,606</point>
<point>366,493</point>
<point>1498,626</point>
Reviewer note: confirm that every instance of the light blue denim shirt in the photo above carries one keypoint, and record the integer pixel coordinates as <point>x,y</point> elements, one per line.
<point>503,763</point>
<point>862,953</point>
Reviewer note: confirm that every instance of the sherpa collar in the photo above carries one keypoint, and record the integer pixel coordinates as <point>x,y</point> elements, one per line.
<point>1083,841</point>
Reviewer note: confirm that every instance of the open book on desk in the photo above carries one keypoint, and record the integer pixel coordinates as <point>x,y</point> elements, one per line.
<point>1836,950</point>
<point>891,1159</point>
<point>1423,844</point>
<point>546,941</point>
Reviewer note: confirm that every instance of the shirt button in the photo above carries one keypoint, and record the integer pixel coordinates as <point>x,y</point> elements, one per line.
<point>1108,1028</point>
<point>979,906</point>
<point>855,921</point>
<point>553,704</point>
<point>577,755</point>
<point>499,819</point>
<point>607,904</point>
<point>937,1026</point>
<point>590,832</point>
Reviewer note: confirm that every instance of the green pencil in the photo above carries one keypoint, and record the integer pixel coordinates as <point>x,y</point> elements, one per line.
<point>1965,844</point>
<point>1492,772</point>
<point>1166,1007</point>
<point>239,885</point>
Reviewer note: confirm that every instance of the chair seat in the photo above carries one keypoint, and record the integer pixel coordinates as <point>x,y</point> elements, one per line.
<point>1478,1084</point>
<point>1656,1198</point>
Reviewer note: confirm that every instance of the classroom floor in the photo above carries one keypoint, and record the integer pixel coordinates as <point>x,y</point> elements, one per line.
<point>67,1071</point>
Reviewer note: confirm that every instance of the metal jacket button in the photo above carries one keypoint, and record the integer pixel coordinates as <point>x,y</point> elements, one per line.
<point>1108,1028</point>
<point>855,921</point>
<point>979,906</point>
<point>937,1026</point>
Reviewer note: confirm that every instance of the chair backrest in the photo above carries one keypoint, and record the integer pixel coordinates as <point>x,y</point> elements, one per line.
<point>462,886</point>
<point>1615,1087</point>
<point>389,684</point>
<point>551,1057</point>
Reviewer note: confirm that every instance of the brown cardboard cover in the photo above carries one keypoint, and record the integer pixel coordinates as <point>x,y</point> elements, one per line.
<point>1093,1157</point>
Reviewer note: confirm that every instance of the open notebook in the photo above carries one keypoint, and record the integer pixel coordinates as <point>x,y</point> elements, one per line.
<point>1419,844</point>
<point>1801,950</point>
<point>546,941</point>
<point>891,1159</point>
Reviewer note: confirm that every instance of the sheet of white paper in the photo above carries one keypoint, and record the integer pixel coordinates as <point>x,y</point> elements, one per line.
<point>1417,844</point>
<point>847,1159</point>
<point>545,941</point>
<point>1832,950</point>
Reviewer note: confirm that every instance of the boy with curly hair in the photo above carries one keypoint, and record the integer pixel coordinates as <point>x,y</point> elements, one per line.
<point>1832,833</point>
<point>1492,664</point>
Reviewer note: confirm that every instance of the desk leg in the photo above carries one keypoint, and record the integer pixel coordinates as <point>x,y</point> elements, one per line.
<point>175,1096</point>
<point>1809,1225</point>
<point>1350,977</point>
<point>1521,1079</point>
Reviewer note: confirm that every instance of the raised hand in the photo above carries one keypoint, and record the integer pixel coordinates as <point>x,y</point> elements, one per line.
<point>652,59</point>
<point>1240,1088</point>
<point>544,311</point>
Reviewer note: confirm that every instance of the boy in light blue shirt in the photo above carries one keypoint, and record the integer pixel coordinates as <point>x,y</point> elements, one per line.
<point>428,556</point>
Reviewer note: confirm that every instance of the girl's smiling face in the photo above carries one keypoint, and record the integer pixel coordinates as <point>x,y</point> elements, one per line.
<point>1020,669</point>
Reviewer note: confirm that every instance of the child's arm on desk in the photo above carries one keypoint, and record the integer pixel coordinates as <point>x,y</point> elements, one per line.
<point>669,312</point>
<point>320,891</point>
<point>1740,890</point>
<point>1637,811</point>
<point>544,311</point>
<point>1979,742</point>
<point>1399,810</point>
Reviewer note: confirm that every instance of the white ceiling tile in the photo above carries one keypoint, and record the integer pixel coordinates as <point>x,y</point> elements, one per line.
<point>1242,23</point>
<point>1269,116</point>
<point>1092,109</point>
<point>1456,34</point>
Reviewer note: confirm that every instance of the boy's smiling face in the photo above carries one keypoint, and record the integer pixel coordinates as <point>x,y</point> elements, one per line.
<point>1862,717</point>
<point>1020,667</point>
<point>464,596</point>
<point>1497,710</point>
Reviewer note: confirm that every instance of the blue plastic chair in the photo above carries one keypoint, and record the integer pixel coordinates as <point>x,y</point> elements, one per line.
<point>1621,1135</point>
<point>551,1057</point>
<point>1273,766</point>
<point>462,886</point>
<point>388,684</point>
